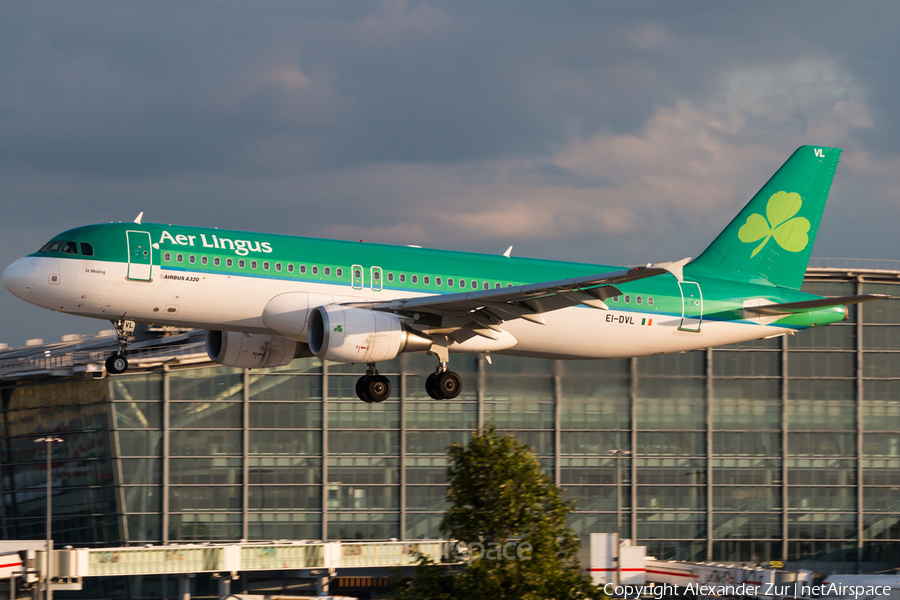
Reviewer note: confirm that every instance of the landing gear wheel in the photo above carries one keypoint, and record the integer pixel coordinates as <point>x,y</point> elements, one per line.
<point>448,385</point>
<point>378,388</point>
<point>431,388</point>
<point>116,363</point>
<point>362,386</point>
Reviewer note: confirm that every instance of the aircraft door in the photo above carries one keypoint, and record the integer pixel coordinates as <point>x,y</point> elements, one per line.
<point>357,276</point>
<point>140,255</point>
<point>691,306</point>
<point>376,279</point>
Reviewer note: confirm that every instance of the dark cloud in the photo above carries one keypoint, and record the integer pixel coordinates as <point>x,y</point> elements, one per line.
<point>572,130</point>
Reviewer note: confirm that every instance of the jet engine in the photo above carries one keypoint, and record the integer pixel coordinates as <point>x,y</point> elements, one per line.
<point>360,335</point>
<point>252,350</point>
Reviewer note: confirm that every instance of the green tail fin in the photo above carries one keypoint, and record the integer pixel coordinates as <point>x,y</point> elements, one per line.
<point>771,239</point>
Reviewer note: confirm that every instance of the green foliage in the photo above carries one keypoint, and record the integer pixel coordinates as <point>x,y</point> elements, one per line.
<point>511,519</point>
<point>431,582</point>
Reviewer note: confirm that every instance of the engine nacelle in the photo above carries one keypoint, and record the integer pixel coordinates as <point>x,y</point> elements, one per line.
<point>251,350</point>
<point>360,335</point>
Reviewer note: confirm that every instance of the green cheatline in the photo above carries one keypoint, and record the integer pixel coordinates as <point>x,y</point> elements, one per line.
<point>789,233</point>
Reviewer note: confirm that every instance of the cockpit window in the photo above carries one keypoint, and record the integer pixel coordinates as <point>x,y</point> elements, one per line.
<point>69,248</point>
<point>87,249</point>
<point>51,247</point>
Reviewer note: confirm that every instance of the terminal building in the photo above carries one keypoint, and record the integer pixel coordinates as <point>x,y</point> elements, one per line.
<point>785,449</point>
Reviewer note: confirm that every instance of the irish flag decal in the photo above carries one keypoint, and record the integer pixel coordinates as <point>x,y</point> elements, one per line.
<point>646,321</point>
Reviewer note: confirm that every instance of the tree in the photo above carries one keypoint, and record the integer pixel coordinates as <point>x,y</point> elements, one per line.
<point>511,519</point>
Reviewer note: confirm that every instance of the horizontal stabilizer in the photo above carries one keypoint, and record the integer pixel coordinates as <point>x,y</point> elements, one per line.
<point>789,308</point>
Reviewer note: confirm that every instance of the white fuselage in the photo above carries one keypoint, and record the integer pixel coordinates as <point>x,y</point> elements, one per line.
<point>237,303</point>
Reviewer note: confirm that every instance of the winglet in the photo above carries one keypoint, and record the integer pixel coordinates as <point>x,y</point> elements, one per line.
<point>139,217</point>
<point>675,267</point>
<point>508,252</point>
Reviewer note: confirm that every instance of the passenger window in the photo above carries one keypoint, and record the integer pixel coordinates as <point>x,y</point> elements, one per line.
<point>217,261</point>
<point>204,260</point>
<point>508,285</point>
<point>402,278</point>
<point>228,262</point>
<point>70,248</point>
<point>302,269</point>
<point>615,298</point>
<point>462,283</point>
<point>51,247</point>
<point>627,298</point>
<point>252,264</point>
<point>179,258</point>
<point>191,259</point>
<point>87,249</point>
<point>390,276</point>
<point>167,257</point>
<point>415,279</point>
<point>315,270</point>
<point>437,281</point>
<point>639,299</point>
<point>487,286</point>
<point>327,271</point>
<point>497,286</point>
<point>290,268</point>
<point>376,275</point>
<point>266,266</point>
<point>278,267</point>
<point>474,285</point>
<point>426,280</point>
<point>339,272</point>
<point>241,263</point>
<point>650,300</point>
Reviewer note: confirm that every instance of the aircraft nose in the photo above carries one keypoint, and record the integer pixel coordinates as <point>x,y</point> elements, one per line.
<point>19,278</point>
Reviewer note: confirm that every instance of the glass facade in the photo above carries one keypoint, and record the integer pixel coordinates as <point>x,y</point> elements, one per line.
<point>780,449</point>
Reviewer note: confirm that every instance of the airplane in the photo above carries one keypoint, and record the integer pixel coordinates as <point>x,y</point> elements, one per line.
<point>266,299</point>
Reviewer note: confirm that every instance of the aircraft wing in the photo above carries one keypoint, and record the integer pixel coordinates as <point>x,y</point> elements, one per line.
<point>591,287</point>
<point>488,308</point>
<point>788,308</point>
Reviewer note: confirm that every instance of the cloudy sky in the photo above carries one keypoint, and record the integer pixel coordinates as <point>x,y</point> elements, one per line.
<point>612,132</point>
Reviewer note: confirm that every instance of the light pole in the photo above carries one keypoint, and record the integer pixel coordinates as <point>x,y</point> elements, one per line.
<point>49,441</point>
<point>619,453</point>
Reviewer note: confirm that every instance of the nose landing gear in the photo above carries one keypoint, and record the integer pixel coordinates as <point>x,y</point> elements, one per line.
<point>117,363</point>
<point>373,387</point>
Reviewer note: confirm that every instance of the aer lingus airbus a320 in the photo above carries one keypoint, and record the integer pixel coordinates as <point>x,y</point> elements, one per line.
<point>266,299</point>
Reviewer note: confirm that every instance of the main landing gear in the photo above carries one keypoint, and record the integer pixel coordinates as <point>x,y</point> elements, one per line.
<point>373,387</point>
<point>117,363</point>
<point>443,384</point>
